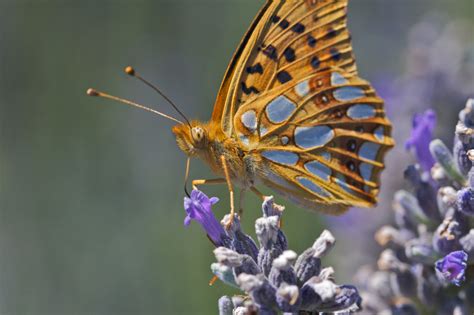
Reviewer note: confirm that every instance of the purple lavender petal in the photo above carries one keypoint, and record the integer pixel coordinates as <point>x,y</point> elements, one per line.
<point>421,136</point>
<point>452,267</point>
<point>199,208</point>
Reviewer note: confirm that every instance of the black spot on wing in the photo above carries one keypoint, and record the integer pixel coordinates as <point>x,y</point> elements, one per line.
<point>284,24</point>
<point>335,54</point>
<point>249,90</point>
<point>271,52</point>
<point>331,33</point>
<point>298,28</point>
<point>275,19</point>
<point>311,41</point>
<point>255,69</point>
<point>283,77</point>
<point>289,54</point>
<point>315,62</point>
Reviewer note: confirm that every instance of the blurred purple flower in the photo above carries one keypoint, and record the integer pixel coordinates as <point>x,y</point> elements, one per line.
<point>421,136</point>
<point>199,208</point>
<point>452,267</point>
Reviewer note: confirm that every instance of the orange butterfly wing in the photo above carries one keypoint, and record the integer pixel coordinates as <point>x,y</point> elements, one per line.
<point>293,98</point>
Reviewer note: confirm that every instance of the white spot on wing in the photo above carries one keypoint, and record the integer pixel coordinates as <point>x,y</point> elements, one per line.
<point>369,150</point>
<point>348,93</point>
<point>318,169</point>
<point>366,171</point>
<point>312,137</point>
<point>338,79</point>
<point>281,157</point>
<point>280,109</point>
<point>302,89</point>
<point>249,120</point>
<point>361,111</point>
<point>379,133</point>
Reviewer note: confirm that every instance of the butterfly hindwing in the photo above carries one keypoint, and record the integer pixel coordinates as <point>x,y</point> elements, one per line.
<point>325,134</point>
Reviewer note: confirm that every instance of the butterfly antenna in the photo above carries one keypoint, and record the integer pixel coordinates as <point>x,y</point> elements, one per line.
<point>131,72</point>
<point>92,92</point>
<point>186,176</point>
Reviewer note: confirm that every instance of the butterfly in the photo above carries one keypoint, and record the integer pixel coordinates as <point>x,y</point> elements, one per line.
<point>293,114</point>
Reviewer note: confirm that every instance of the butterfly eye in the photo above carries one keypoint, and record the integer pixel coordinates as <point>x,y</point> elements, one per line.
<point>198,134</point>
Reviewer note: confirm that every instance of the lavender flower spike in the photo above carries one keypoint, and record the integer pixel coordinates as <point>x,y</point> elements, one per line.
<point>421,136</point>
<point>451,268</point>
<point>199,208</point>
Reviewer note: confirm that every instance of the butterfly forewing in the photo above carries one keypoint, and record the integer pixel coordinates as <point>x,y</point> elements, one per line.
<point>293,98</point>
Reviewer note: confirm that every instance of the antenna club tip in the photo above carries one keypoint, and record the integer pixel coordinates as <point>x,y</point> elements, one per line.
<point>129,70</point>
<point>92,92</point>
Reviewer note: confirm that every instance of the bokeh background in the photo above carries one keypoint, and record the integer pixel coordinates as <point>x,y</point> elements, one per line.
<point>91,216</point>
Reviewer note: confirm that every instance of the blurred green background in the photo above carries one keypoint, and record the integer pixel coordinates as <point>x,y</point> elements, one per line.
<point>91,217</point>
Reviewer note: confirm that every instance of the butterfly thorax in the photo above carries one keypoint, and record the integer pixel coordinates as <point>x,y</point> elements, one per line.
<point>208,142</point>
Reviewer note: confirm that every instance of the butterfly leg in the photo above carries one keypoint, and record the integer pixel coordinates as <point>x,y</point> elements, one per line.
<point>231,191</point>
<point>214,181</point>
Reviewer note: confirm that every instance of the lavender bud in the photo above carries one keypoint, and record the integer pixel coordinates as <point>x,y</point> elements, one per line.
<point>270,209</point>
<point>427,286</point>
<point>240,242</point>
<point>373,304</point>
<point>424,191</point>
<point>266,257</point>
<point>327,274</point>
<point>470,175</point>
<point>389,236</point>
<point>307,266</point>
<point>402,281</point>
<point>446,237</point>
<point>323,244</point>
<point>465,201</point>
<point>238,301</point>
<point>439,175</point>
<point>226,306</point>
<point>262,293</point>
<point>447,198</point>
<point>442,155</point>
<point>267,231</point>
<point>288,298</point>
<point>282,270</point>
<point>411,206</point>
<point>346,297</point>
<point>241,310</point>
<point>420,250</point>
<point>314,292</point>
<point>467,243</point>
<point>380,282</point>
<point>460,154</point>
<point>240,263</point>
<point>466,116</point>
<point>224,273</point>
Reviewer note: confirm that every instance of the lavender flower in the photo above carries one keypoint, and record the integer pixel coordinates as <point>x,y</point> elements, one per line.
<point>425,265</point>
<point>199,208</point>
<point>452,267</point>
<point>274,278</point>
<point>421,136</point>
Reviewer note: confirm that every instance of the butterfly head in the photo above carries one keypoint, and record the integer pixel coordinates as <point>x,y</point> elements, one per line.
<point>191,138</point>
